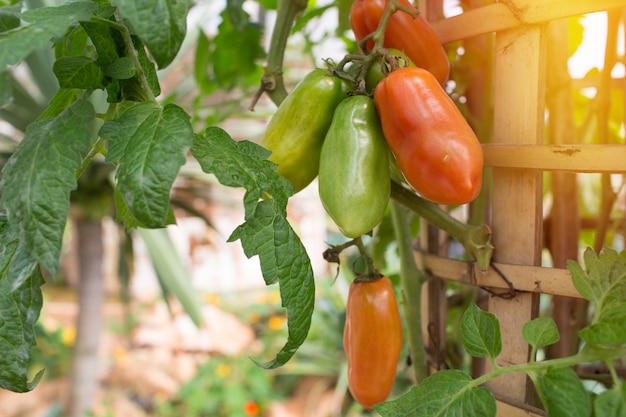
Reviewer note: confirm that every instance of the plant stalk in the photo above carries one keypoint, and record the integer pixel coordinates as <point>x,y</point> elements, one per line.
<point>272,81</point>
<point>411,282</point>
<point>475,239</point>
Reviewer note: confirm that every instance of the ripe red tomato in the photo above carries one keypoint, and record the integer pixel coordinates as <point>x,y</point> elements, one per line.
<point>436,149</point>
<point>414,37</point>
<point>372,340</point>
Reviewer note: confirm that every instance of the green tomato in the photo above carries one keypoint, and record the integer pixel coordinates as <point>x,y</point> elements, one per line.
<point>383,65</point>
<point>296,131</point>
<point>354,176</point>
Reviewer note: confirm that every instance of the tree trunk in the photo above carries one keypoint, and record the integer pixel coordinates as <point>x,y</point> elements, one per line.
<point>84,374</point>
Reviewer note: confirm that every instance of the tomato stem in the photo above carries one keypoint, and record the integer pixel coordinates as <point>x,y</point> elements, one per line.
<point>272,81</point>
<point>475,239</point>
<point>411,280</point>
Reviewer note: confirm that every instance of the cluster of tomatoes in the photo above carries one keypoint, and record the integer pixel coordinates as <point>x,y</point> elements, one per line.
<point>332,128</point>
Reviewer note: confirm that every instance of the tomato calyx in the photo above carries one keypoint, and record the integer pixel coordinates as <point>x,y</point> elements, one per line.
<point>375,275</point>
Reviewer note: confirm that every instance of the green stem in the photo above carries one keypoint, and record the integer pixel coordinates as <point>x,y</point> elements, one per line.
<point>475,239</point>
<point>584,356</point>
<point>132,53</point>
<point>411,281</point>
<point>272,81</point>
<point>370,271</point>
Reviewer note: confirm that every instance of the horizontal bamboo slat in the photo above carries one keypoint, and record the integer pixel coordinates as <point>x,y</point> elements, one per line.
<point>506,15</point>
<point>574,158</point>
<point>524,278</point>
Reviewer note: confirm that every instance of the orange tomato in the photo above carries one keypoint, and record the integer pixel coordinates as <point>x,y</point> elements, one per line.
<point>413,36</point>
<point>372,339</point>
<point>436,149</point>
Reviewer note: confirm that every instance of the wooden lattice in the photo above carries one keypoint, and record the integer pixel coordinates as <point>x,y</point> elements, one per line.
<point>517,158</point>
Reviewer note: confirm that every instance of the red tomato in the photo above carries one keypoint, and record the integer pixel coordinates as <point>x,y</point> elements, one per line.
<point>414,37</point>
<point>436,149</point>
<point>372,340</point>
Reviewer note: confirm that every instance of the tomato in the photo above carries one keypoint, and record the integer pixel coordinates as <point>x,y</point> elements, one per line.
<point>393,59</point>
<point>354,179</point>
<point>296,131</point>
<point>436,149</point>
<point>372,339</point>
<point>414,36</point>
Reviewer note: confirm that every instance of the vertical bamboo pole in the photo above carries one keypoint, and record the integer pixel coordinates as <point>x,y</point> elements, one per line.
<point>519,101</point>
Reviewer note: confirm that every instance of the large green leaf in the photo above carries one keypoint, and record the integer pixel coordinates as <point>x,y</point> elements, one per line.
<point>266,231</point>
<point>20,305</point>
<point>449,393</point>
<point>161,25</point>
<point>149,143</point>
<point>44,24</point>
<point>39,176</point>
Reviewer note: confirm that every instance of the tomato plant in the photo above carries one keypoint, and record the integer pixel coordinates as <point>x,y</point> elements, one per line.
<point>412,35</point>
<point>354,180</point>
<point>372,339</point>
<point>436,149</point>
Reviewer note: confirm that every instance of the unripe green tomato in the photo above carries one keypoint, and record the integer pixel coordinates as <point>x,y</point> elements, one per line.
<point>383,65</point>
<point>354,176</point>
<point>296,131</point>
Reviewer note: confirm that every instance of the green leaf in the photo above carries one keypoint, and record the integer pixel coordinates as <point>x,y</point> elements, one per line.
<point>605,285</point>
<point>101,37</point>
<point>563,394</point>
<point>46,23</point>
<point>541,331</point>
<point>161,25</point>
<point>20,282</point>
<point>149,143</point>
<point>236,54</point>
<point>39,176</point>
<point>266,231</point>
<point>480,333</point>
<point>171,271</point>
<point>62,99</point>
<point>610,332</point>
<point>20,305</point>
<point>611,403</point>
<point>9,18</point>
<point>78,72</point>
<point>121,69</point>
<point>6,91</point>
<point>448,393</point>
<point>236,14</point>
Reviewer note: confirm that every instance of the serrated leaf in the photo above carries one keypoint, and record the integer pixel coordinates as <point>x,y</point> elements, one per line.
<point>448,393</point>
<point>20,304</point>
<point>611,403</point>
<point>78,72</point>
<point>46,23</point>
<point>266,231</point>
<point>563,394</point>
<point>236,14</point>
<point>610,332</point>
<point>605,285</point>
<point>39,176</point>
<point>480,333</point>
<point>149,143</point>
<point>161,25</point>
<point>541,331</point>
